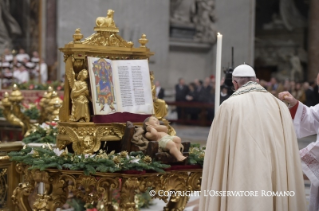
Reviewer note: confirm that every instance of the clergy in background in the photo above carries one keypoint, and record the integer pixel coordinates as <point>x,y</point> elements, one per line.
<point>252,153</point>
<point>306,123</point>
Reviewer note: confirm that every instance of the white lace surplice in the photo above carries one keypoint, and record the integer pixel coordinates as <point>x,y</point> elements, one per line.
<point>306,123</point>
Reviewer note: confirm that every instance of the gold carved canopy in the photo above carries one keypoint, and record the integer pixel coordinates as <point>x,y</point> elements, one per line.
<point>104,43</point>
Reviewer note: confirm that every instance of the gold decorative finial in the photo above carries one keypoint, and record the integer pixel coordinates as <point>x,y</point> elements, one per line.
<point>15,87</point>
<point>143,40</point>
<point>130,44</point>
<point>50,90</point>
<point>77,36</point>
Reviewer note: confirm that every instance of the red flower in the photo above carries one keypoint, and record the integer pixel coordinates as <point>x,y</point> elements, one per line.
<point>31,87</point>
<point>59,88</point>
<point>51,123</point>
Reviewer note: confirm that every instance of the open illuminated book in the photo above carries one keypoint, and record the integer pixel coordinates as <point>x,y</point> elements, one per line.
<point>120,86</point>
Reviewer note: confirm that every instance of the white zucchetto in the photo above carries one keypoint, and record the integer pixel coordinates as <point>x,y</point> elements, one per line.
<point>244,70</point>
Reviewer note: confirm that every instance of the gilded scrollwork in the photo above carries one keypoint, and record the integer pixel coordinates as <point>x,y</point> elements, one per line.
<point>86,138</point>
<point>3,186</point>
<point>94,188</point>
<point>194,181</point>
<point>129,187</point>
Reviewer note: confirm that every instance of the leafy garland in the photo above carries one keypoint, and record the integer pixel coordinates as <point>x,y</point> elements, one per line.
<point>42,135</point>
<point>32,112</point>
<point>101,162</point>
<point>196,154</point>
<point>32,85</point>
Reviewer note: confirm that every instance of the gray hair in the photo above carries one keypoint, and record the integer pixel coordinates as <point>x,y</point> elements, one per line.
<point>242,80</point>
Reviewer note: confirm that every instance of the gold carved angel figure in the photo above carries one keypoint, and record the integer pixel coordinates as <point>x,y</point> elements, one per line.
<point>79,96</point>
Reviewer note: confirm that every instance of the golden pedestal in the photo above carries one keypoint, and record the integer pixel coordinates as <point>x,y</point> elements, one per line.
<point>59,183</point>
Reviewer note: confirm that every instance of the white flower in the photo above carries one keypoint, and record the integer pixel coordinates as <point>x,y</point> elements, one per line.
<point>135,160</point>
<point>57,151</point>
<point>45,126</point>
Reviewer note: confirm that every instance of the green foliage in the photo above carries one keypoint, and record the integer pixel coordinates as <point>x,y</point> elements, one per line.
<point>32,85</point>
<point>144,200</point>
<point>41,135</point>
<point>196,154</point>
<point>32,113</point>
<point>43,158</point>
<point>77,204</point>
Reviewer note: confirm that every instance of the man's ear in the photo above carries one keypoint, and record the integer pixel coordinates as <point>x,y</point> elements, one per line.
<point>147,123</point>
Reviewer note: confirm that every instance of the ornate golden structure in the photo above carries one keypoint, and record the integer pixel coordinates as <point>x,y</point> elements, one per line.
<point>86,136</point>
<point>11,103</point>
<point>75,125</point>
<point>99,187</point>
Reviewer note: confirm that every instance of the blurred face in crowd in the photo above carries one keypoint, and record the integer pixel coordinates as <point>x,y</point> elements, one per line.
<point>157,84</point>
<point>196,81</point>
<point>21,51</point>
<point>35,54</point>
<point>298,86</point>
<point>306,85</point>
<point>207,81</point>
<point>224,90</point>
<point>6,51</point>
<point>273,81</point>
<point>181,81</point>
<point>191,88</point>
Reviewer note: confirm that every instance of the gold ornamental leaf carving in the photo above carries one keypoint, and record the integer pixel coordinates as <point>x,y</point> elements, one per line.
<point>104,38</point>
<point>75,139</point>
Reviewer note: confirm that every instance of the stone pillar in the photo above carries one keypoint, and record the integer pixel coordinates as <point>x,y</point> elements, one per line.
<point>51,37</point>
<point>313,40</point>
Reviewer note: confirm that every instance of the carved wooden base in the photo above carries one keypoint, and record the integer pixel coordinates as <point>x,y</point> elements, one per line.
<point>99,187</point>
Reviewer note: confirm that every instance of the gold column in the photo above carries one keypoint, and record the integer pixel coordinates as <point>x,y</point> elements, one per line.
<point>9,178</point>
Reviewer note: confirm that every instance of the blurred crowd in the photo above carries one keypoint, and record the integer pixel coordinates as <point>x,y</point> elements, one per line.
<point>203,91</point>
<point>22,67</point>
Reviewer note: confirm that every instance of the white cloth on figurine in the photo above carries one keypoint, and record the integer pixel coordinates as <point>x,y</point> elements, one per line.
<point>306,123</point>
<point>252,146</point>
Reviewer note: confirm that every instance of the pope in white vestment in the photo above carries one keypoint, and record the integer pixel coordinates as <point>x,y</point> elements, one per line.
<point>252,152</point>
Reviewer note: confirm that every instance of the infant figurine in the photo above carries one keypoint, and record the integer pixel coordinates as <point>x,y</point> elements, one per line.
<point>157,132</point>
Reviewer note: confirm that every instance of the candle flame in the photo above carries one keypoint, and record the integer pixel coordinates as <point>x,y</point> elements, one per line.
<point>219,34</point>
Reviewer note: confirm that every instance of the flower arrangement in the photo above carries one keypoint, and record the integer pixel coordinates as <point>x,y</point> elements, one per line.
<point>196,154</point>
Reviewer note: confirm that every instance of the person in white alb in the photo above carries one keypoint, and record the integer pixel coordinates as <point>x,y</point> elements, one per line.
<point>21,55</point>
<point>21,74</point>
<point>41,71</point>
<point>306,123</point>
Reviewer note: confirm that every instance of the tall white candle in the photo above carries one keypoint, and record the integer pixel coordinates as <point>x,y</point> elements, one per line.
<point>218,70</point>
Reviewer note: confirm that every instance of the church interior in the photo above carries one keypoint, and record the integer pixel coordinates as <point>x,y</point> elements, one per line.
<point>106,102</point>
